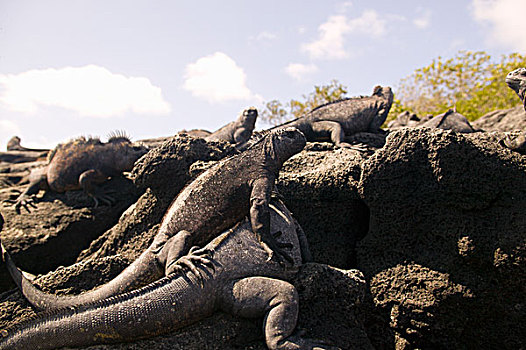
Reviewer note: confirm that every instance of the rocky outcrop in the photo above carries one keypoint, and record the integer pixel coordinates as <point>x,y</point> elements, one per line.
<point>503,120</point>
<point>59,227</point>
<point>317,183</point>
<point>446,250</point>
<point>441,220</point>
<point>450,120</point>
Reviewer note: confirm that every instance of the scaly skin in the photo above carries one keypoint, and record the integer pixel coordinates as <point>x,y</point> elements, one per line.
<point>335,120</point>
<point>237,132</point>
<point>516,81</point>
<point>82,164</point>
<point>231,274</point>
<point>217,199</point>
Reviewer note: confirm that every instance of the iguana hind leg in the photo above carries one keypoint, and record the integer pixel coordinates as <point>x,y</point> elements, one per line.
<point>274,300</point>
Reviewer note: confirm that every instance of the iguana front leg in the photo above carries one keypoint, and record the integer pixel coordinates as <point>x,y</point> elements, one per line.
<point>37,181</point>
<point>335,131</point>
<point>260,217</point>
<point>88,180</point>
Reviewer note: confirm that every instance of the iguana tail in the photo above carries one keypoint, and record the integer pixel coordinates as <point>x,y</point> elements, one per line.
<point>162,306</point>
<point>141,272</point>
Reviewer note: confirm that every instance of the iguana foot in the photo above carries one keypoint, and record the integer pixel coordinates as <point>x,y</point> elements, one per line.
<point>105,198</point>
<point>196,257</point>
<point>23,201</point>
<point>275,250</point>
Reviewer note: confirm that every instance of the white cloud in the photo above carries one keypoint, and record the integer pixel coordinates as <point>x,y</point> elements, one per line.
<point>91,91</point>
<point>423,20</point>
<point>506,19</point>
<point>217,78</point>
<point>368,23</point>
<point>298,71</point>
<point>265,36</point>
<point>332,34</point>
<point>330,44</point>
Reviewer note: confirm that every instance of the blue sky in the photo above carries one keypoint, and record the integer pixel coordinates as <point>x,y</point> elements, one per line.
<point>152,67</point>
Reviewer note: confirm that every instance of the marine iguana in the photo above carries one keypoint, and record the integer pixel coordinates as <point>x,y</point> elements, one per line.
<point>231,274</point>
<point>81,164</point>
<point>516,81</point>
<point>14,145</point>
<point>334,120</point>
<point>218,198</point>
<point>239,131</point>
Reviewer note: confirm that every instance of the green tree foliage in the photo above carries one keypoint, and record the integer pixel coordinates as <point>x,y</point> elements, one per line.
<point>276,113</point>
<point>471,81</point>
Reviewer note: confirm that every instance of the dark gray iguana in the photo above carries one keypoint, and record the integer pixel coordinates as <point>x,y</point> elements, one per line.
<point>231,274</point>
<point>216,200</point>
<point>516,80</point>
<point>82,164</point>
<point>239,131</point>
<point>335,120</point>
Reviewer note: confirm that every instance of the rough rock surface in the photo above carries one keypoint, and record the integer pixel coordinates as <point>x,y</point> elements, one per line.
<point>446,250</point>
<point>315,184</point>
<point>503,120</point>
<point>60,227</point>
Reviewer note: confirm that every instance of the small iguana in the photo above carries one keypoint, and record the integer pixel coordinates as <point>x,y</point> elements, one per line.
<point>237,132</point>
<point>231,274</point>
<point>82,164</point>
<point>14,145</point>
<point>516,81</point>
<point>335,120</point>
<point>217,199</point>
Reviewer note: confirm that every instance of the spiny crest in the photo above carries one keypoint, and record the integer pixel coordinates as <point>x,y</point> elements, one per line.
<point>81,140</point>
<point>118,136</point>
<point>256,138</point>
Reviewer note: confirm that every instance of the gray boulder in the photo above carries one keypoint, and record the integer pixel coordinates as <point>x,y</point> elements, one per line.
<point>446,252</point>
<point>503,120</point>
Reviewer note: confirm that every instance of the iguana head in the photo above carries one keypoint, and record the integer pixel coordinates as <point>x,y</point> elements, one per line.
<point>284,143</point>
<point>516,80</point>
<point>248,118</point>
<point>127,153</point>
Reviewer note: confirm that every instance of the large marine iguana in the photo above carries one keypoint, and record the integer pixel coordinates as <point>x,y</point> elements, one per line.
<point>239,131</point>
<point>516,81</point>
<point>335,120</point>
<point>231,274</point>
<point>217,199</point>
<point>82,164</point>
